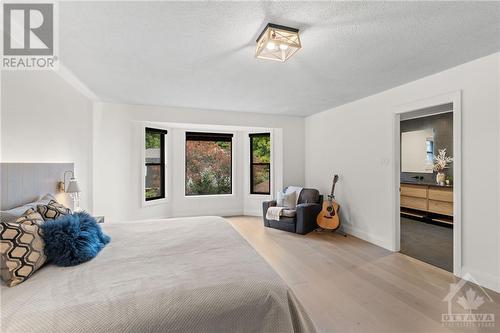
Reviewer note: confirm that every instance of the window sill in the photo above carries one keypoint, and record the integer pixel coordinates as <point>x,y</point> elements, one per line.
<point>208,196</point>
<point>154,202</point>
<point>259,196</point>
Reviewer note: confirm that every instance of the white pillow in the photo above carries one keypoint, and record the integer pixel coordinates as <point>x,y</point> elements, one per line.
<point>286,200</point>
<point>16,212</point>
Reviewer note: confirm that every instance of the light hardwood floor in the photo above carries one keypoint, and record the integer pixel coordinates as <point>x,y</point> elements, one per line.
<point>349,285</point>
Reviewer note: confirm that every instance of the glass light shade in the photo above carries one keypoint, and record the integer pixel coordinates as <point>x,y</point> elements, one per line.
<point>277,42</point>
<point>73,186</point>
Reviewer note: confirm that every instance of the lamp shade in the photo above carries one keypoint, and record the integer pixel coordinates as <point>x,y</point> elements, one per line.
<point>73,186</point>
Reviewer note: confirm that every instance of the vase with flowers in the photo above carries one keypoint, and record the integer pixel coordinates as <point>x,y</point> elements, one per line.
<point>441,161</point>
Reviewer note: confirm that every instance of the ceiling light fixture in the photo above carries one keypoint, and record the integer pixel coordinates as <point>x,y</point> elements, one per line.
<point>277,42</point>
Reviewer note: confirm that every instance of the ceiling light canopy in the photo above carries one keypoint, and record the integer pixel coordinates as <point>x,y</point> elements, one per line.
<point>277,42</point>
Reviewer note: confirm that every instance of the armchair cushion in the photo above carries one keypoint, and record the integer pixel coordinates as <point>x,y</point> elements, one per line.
<point>287,200</point>
<point>288,212</point>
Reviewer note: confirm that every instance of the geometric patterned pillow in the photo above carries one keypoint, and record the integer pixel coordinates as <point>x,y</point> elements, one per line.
<point>21,248</point>
<point>52,210</point>
<point>30,217</point>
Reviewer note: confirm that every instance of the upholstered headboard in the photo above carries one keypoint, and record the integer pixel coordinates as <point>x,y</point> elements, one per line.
<point>24,182</point>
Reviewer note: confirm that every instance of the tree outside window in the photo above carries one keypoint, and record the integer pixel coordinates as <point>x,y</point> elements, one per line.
<point>208,163</point>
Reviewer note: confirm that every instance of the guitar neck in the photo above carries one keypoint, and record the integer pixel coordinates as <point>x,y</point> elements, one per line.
<point>333,186</point>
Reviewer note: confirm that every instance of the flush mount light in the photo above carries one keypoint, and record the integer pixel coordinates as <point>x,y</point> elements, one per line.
<point>277,42</point>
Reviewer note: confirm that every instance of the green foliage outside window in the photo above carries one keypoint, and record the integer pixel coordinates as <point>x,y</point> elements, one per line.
<point>152,192</point>
<point>261,149</point>
<point>152,140</point>
<point>208,167</point>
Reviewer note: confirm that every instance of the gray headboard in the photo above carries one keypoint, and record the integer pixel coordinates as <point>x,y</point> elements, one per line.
<point>24,182</point>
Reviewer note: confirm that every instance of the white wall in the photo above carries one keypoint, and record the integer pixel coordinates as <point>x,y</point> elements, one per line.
<point>44,119</point>
<point>356,140</point>
<point>118,130</point>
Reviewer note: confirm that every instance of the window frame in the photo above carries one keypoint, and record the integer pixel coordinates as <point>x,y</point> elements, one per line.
<point>210,137</point>
<point>251,136</point>
<point>162,164</point>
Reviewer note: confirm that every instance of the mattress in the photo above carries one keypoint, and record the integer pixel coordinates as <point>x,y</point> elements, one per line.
<point>171,275</point>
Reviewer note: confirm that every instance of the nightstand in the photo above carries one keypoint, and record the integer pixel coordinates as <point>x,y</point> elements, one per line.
<point>99,219</point>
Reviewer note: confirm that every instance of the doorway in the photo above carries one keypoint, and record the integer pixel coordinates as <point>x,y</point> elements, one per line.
<point>427,194</point>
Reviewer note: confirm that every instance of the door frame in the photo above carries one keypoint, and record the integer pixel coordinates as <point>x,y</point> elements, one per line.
<point>453,97</point>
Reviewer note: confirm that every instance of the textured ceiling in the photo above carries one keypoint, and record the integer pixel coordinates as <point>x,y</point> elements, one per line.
<point>201,54</point>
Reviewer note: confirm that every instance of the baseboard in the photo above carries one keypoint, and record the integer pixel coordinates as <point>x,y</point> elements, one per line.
<point>349,229</point>
<point>252,212</point>
<point>229,212</point>
<point>483,279</point>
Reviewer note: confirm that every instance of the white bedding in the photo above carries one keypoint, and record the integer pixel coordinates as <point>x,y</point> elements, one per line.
<point>172,275</point>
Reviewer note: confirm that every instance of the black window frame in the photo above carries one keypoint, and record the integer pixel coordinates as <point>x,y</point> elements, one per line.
<point>162,163</point>
<point>253,135</point>
<point>206,136</point>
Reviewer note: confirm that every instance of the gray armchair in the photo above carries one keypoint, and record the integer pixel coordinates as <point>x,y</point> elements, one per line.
<point>303,219</point>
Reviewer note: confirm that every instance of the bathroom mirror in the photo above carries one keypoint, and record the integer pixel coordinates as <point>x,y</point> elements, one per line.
<point>417,150</point>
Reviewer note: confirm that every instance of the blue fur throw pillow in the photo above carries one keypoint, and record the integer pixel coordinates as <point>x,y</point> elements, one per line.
<point>73,239</point>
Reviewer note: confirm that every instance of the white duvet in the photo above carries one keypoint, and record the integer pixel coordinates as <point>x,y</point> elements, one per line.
<point>172,275</point>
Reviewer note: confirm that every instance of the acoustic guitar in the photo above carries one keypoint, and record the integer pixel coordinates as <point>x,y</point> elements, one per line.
<point>328,218</point>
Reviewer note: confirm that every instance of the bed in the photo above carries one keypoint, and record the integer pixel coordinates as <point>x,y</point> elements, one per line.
<point>172,275</point>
